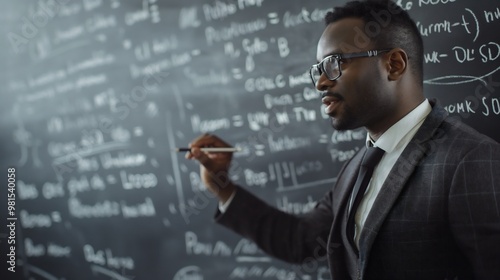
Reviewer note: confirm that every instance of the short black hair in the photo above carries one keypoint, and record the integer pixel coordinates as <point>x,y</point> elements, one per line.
<point>388,26</point>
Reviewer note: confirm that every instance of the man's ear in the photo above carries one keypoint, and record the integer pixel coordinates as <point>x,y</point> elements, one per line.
<point>397,63</point>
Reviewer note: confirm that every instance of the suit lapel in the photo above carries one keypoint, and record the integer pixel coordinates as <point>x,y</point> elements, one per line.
<point>346,182</point>
<point>340,266</point>
<point>404,167</point>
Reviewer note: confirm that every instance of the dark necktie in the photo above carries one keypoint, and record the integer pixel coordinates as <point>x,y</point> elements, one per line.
<point>371,158</point>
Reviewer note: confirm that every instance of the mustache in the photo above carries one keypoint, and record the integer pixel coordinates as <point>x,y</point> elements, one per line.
<point>333,94</point>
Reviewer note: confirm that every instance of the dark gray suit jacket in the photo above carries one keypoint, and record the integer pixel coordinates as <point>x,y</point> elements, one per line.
<point>437,215</point>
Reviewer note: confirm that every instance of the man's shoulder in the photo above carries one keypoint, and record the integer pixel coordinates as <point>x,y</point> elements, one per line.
<point>459,143</point>
<point>451,128</point>
<point>463,134</point>
<point>446,137</point>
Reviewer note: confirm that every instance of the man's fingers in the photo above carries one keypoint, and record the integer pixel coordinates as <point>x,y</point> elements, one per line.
<point>202,157</point>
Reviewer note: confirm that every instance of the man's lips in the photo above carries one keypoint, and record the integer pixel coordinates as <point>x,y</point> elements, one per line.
<point>331,103</point>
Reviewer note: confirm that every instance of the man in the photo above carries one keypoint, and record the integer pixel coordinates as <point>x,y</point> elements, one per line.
<point>432,207</point>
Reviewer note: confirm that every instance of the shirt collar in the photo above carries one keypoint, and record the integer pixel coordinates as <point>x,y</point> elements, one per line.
<point>393,136</point>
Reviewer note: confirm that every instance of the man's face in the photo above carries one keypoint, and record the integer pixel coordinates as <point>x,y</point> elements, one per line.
<point>361,95</point>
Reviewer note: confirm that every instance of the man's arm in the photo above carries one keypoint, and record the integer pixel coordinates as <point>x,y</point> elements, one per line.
<point>285,236</point>
<point>288,237</point>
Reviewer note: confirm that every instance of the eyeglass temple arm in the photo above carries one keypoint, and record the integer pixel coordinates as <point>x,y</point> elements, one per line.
<point>363,54</point>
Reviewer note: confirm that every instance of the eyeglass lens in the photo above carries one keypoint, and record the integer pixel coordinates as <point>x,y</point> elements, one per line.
<point>330,66</point>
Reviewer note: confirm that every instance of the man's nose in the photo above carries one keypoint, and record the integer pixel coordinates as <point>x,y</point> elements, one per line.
<point>324,83</point>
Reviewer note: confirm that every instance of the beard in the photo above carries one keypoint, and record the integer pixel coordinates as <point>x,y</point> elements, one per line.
<point>346,119</point>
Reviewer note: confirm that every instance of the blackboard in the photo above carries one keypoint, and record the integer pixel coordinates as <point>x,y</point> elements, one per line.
<point>95,94</point>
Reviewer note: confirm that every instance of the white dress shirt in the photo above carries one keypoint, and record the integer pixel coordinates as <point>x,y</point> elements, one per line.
<point>393,142</point>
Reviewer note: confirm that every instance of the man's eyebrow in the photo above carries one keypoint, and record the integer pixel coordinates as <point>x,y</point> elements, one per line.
<point>334,52</point>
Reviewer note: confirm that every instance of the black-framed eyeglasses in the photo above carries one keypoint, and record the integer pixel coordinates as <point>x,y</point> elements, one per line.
<point>330,65</point>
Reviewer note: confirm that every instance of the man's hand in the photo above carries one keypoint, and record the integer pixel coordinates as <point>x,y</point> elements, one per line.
<point>214,166</point>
